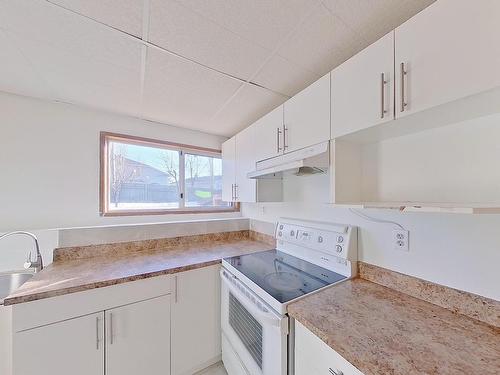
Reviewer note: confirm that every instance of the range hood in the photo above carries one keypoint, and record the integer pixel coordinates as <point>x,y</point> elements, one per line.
<point>303,162</point>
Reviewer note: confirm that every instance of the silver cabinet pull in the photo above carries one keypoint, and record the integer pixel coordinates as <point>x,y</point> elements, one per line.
<point>403,74</point>
<point>335,372</point>
<point>232,192</point>
<point>278,133</point>
<point>97,333</point>
<point>382,95</point>
<point>175,289</point>
<point>235,192</point>
<point>285,129</point>
<point>111,328</point>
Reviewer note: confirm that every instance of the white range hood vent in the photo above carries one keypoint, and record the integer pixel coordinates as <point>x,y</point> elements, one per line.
<point>303,162</point>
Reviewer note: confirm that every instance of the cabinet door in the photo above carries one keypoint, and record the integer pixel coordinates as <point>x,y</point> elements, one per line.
<point>245,162</point>
<point>138,338</point>
<point>196,337</point>
<point>363,88</point>
<point>307,116</point>
<point>228,169</point>
<point>450,50</point>
<point>313,356</point>
<point>74,346</point>
<point>269,135</point>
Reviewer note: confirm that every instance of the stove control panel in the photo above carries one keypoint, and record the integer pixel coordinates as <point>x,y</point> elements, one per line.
<point>334,239</point>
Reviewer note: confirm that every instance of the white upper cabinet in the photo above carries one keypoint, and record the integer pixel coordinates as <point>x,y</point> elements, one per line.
<point>238,158</point>
<point>74,346</point>
<point>363,88</point>
<point>228,169</point>
<point>138,338</point>
<point>449,51</point>
<point>307,116</point>
<point>245,188</point>
<point>269,135</point>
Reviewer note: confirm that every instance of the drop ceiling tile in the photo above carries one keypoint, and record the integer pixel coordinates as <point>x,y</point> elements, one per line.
<point>321,42</point>
<point>86,81</point>
<point>249,104</point>
<point>82,62</point>
<point>18,75</point>
<point>124,15</point>
<point>180,30</point>
<point>284,77</point>
<point>53,26</point>
<point>373,19</point>
<point>265,22</point>
<point>182,93</point>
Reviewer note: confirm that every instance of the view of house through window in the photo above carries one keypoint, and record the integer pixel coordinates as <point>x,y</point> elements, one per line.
<point>144,175</point>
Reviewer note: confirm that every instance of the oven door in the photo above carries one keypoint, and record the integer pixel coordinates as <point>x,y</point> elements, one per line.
<point>253,334</point>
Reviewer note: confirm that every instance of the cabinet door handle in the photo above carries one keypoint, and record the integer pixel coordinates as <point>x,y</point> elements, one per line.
<point>285,129</point>
<point>335,372</point>
<point>111,328</point>
<point>97,333</point>
<point>382,95</point>
<point>235,192</point>
<point>175,289</point>
<point>232,192</point>
<point>403,74</point>
<point>278,133</point>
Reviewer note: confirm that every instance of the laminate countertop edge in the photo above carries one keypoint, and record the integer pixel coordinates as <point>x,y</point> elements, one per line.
<point>78,275</point>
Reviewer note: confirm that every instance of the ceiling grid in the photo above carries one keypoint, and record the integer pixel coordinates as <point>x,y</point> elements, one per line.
<point>213,66</point>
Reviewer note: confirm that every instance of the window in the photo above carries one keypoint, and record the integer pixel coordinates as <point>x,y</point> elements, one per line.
<point>145,176</point>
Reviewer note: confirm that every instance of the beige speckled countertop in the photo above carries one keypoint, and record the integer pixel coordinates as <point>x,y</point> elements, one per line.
<point>383,331</point>
<point>75,275</point>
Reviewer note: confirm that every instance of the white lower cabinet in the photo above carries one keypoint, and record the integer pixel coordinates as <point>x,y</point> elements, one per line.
<point>137,338</point>
<point>313,356</point>
<point>196,337</point>
<point>156,326</point>
<point>73,346</point>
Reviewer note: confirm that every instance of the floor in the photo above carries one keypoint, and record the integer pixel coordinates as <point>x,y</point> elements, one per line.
<point>217,369</point>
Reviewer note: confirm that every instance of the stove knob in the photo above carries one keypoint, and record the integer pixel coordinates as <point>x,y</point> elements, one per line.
<point>338,248</point>
<point>281,226</point>
<point>292,233</point>
<point>340,239</point>
<point>280,233</point>
<point>320,239</point>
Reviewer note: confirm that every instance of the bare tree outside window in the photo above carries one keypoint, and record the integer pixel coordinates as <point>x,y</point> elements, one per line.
<point>170,162</point>
<point>145,175</point>
<point>118,171</point>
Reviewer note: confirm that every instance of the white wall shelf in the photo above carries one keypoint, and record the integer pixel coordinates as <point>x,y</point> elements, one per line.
<point>450,169</point>
<point>441,207</point>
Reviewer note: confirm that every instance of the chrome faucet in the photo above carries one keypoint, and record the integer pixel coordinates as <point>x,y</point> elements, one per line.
<point>37,264</point>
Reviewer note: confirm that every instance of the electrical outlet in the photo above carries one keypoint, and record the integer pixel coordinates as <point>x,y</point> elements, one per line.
<point>401,239</point>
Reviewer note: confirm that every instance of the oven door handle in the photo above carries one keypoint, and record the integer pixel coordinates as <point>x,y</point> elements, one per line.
<point>267,317</point>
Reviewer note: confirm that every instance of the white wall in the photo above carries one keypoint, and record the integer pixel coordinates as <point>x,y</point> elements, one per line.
<point>49,170</point>
<point>49,162</point>
<point>459,251</point>
<point>458,162</point>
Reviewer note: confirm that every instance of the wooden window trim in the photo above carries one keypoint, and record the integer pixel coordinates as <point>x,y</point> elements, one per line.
<point>105,137</point>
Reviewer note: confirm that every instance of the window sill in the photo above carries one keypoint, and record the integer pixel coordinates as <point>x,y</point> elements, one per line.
<point>191,211</point>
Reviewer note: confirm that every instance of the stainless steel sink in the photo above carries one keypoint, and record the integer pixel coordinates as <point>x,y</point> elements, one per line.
<point>9,282</point>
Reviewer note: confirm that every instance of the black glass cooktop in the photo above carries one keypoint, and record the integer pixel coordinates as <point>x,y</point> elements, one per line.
<point>283,276</point>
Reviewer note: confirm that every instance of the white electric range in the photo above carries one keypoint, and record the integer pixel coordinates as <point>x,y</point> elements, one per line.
<point>256,288</point>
